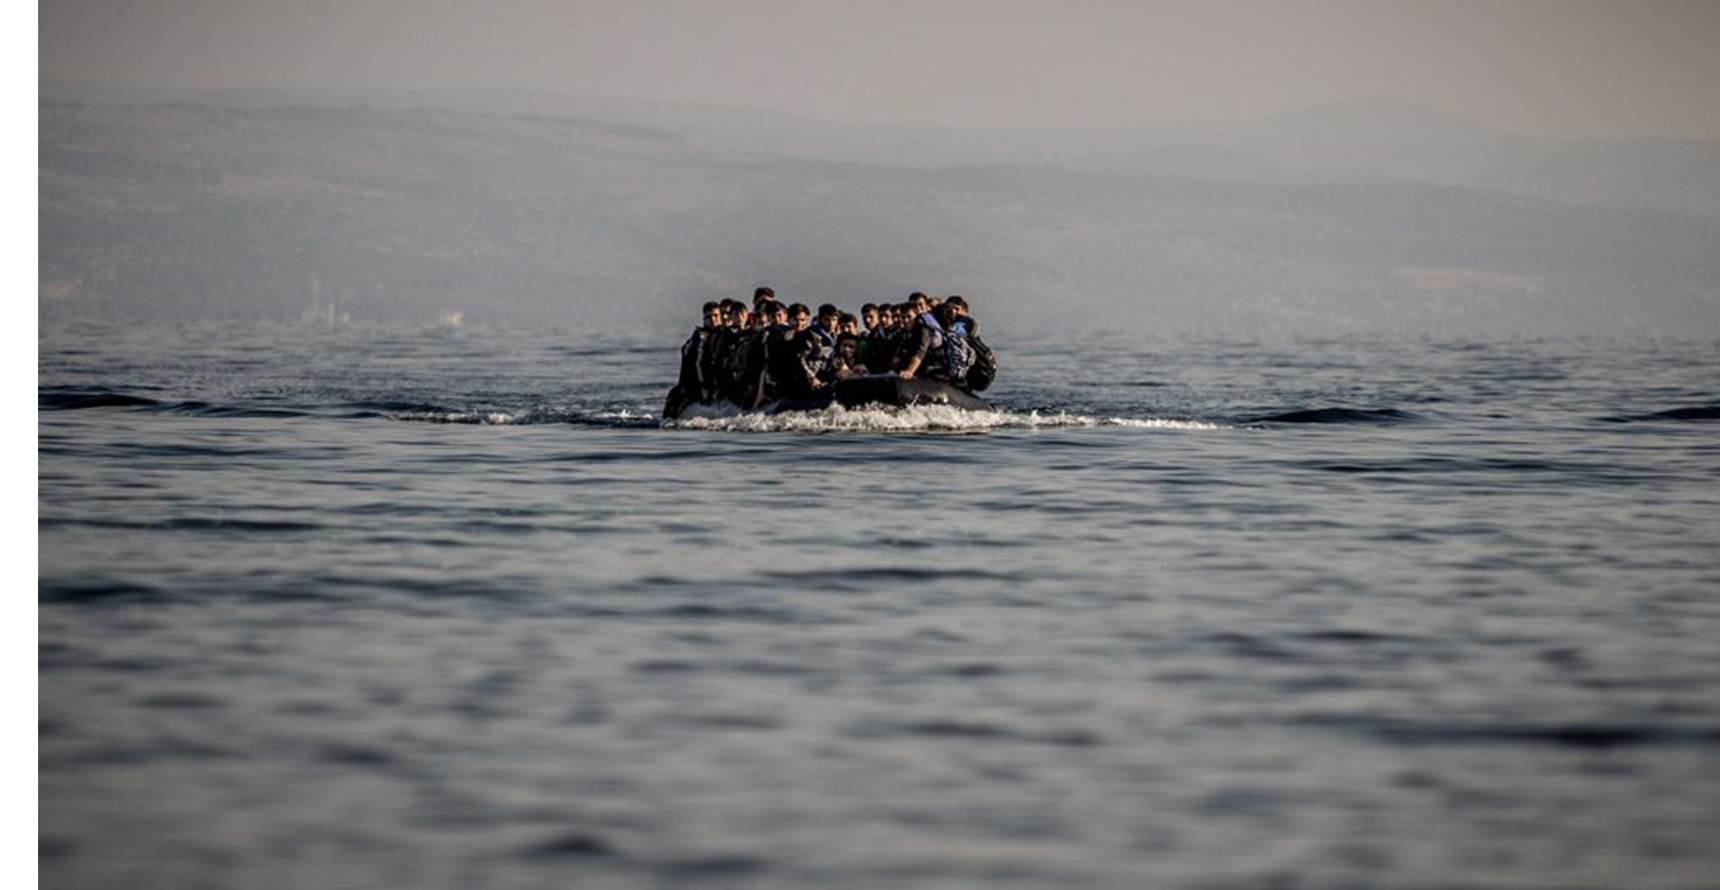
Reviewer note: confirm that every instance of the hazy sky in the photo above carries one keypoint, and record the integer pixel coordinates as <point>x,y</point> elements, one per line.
<point>1561,67</point>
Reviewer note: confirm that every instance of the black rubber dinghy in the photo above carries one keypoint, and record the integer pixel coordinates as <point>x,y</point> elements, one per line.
<point>887,390</point>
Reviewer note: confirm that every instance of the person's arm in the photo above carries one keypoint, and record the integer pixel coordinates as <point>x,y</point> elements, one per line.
<point>922,342</point>
<point>758,400</point>
<point>689,379</point>
<point>701,365</point>
<point>810,353</point>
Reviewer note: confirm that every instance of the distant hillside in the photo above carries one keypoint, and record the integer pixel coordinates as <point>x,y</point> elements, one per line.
<point>1358,140</point>
<point>263,208</point>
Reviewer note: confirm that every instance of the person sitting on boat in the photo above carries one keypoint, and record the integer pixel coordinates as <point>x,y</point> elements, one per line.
<point>721,337</point>
<point>958,355</point>
<point>924,347</point>
<point>846,362</point>
<point>703,344</point>
<point>815,346</point>
<point>873,320</point>
<point>785,374</point>
<point>821,331</point>
<point>729,346</point>
<point>698,380</point>
<point>982,373</point>
<point>792,355</point>
<point>922,304</point>
<point>877,350</point>
<point>905,335</point>
<point>753,387</point>
<point>824,326</point>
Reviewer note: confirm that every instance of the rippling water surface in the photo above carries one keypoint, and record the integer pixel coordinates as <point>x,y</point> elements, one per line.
<point>402,608</point>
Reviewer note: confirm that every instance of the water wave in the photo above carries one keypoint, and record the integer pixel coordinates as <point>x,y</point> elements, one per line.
<point>1337,415</point>
<point>80,399</point>
<point>399,409</point>
<point>1693,412</point>
<point>1578,734</point>
<point>85,399</point>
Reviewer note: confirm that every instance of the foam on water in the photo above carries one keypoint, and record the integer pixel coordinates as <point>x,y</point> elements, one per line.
<point>726,418</point>
<point>615,417</point>
<point>492,418</point>
<point>916,418</point>
<point>1163,423</point>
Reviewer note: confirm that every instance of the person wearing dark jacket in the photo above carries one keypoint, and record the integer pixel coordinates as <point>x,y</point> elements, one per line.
<point>698,358</point>
<point>698,381</point>
<point>722,341</point>
<point>793,355</point>
<point>877,344</point>
<point>904,338</point>
<point>755,390</point>
<point>923,350</point>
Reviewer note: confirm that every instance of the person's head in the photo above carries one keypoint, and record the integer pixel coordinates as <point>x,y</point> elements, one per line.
<point>735,313</point>
<point>762,294</point>
<point>799,316</point>
<point>847,347</point>
<point>848,324</point>
<point>920,302</point>
<point>905,313</point>
<point>829,316</point>
<point>713,315</point>
<point>766,313</point>
<point>945,314</point>
<point>960,305</point>
<point>869,315</point>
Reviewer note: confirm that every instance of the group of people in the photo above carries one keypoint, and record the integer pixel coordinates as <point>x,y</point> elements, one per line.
<point>775,351</point>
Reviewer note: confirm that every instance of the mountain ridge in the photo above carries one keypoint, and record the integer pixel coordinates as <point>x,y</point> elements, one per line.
<point>191,211</point>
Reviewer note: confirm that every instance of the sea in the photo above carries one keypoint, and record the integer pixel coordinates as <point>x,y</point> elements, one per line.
<point>398,607</point>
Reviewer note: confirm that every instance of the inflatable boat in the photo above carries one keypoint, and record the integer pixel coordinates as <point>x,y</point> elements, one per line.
<point>886,390</point>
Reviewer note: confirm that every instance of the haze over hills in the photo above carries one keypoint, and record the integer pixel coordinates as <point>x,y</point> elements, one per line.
<point>1364,139</point>
<point>528,208</point>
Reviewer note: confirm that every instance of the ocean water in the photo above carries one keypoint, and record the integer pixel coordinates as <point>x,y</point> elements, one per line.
<point>373,607</point>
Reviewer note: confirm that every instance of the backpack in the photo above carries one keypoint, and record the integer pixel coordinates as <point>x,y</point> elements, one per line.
<point>984,369</point>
